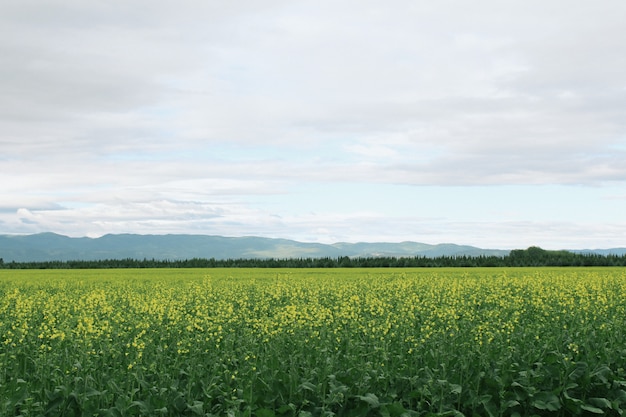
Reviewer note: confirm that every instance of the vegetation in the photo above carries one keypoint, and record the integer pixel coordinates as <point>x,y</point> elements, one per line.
<point>315,342</point>
<point>533,256</point>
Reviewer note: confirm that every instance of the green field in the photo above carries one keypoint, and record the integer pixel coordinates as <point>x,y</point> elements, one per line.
<point>313,342</point>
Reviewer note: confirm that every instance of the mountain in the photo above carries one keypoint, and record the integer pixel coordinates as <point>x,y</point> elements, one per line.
<point>54,247</point>
<point>364,249</point>
<point>603,252</point>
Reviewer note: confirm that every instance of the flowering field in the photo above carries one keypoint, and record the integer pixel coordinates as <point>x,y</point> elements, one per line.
<point>313,342</point>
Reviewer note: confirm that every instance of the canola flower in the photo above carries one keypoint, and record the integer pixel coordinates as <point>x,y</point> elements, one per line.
<point>313,342</point>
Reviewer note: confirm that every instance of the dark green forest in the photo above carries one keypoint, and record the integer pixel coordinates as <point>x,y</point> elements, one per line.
<point>533,256</point>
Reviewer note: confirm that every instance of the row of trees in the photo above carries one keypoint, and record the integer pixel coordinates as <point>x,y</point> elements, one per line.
<point>533,256</point>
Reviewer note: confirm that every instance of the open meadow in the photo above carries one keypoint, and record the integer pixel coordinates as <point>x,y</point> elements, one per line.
<point>313,342</point>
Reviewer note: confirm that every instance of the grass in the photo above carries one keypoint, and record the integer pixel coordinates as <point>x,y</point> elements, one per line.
<point>306,342</point>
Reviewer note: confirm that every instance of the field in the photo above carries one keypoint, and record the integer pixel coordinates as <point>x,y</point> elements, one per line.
<point>313,342</point>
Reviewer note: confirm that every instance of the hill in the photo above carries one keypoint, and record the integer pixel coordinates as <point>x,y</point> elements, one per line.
<point>54,247</point>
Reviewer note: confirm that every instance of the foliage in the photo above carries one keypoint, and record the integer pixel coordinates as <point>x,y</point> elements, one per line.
<point>331,342</point>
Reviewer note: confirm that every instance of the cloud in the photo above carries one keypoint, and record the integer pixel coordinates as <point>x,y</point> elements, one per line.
<point>126,105</point>
<point>284,73</point>
<point>162,217</point>
<point>159,217</point>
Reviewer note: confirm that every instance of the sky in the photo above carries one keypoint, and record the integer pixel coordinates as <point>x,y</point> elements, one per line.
<point>493,123</point>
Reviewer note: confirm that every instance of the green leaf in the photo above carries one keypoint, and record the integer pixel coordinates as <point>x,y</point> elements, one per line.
<point>371,399</point>
<point>53,405</point>
<point>111,412</point>
<point>600,402</point>
<point>141,405</point>
<point>179,403</point>
<point>197,408</point>
<point>455,389</point>
<point>579,371</point>
<point>395,409</point>
<point>571,404</point>
<point>283,409</point>
<point>602,372</point>
<point>264,412</point>
<point>511,403</point>
<point>592,409</point>
<point>308,386</point>
<point>489,405</point>
<point>546,401</point>
<point>92,392</point>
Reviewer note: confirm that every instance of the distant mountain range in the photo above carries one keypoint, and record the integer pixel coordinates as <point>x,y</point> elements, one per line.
<point>55,247</point>
<point>603,252</point>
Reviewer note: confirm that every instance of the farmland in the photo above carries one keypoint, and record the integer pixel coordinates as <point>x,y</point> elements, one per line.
<point>313,342</point>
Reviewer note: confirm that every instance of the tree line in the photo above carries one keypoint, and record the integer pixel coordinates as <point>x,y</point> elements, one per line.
<point>533,256</point>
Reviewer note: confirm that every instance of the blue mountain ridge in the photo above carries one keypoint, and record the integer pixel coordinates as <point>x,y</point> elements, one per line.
<point>54,247</point>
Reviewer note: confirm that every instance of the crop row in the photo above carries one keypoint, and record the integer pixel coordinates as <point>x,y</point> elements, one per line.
<point>313,342</point>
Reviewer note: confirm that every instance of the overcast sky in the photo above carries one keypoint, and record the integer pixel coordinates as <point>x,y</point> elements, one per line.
<point>498,124</point>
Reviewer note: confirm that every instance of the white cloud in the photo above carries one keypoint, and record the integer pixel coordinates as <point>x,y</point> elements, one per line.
<point>114,104</point>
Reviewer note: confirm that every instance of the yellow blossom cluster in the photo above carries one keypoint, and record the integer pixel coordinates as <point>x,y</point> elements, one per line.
<point>142,316</point>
